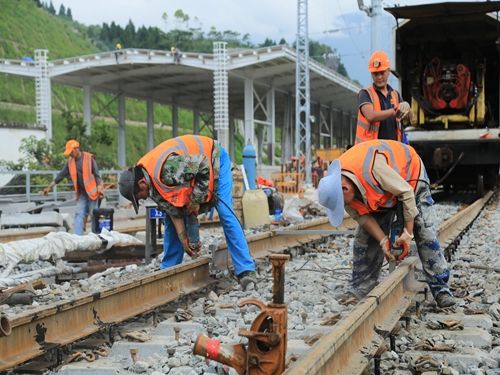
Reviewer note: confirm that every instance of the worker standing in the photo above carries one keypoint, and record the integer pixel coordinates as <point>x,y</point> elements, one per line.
<point>381,108</point>
<point>82,169</point>
<point>369,180</point>
<point>185,176</point>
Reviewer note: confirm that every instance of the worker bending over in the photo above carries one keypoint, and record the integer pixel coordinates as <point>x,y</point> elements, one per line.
<point>186,176</point>
<point>369,180</point>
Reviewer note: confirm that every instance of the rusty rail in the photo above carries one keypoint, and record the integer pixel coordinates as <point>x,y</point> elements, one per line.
<point>271,242</point>
<point>357,337</point>
<point>34,332</point>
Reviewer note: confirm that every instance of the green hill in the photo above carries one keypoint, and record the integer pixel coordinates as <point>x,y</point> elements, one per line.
<point>25,27</point>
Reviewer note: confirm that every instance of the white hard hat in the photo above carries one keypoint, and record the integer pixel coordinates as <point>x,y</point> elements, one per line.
<point>330,194</point>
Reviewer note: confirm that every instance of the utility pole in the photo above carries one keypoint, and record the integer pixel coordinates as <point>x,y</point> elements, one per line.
<point>375,13</point>
<point>302,93</point>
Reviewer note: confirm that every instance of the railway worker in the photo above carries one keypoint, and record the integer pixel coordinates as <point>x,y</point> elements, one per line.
<point>185,176</point>
<point>368,181</point>
<point>381,108</point>
<point>82,169</point>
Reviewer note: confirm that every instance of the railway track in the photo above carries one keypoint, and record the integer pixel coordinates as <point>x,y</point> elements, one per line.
<point>32,333</point>
<point>357,338</point>
<point>29,335</point>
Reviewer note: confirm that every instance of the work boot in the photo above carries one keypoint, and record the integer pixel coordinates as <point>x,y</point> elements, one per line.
<point>246,278</point>
<point>444,299</point>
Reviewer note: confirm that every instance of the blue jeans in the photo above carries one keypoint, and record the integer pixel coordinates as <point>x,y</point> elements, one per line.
<point>235,238</point>
<point>84,207</point>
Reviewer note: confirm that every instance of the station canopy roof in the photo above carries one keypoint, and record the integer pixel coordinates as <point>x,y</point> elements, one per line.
<point>186,78</point>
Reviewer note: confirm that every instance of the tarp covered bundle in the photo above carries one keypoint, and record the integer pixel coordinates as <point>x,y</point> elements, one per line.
<point>56,244</point>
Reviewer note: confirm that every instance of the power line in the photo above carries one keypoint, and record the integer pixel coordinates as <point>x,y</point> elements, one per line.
<point>339,29</point>
<point>350,35</point>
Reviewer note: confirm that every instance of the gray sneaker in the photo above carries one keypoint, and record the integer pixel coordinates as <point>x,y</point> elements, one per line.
<point>444,299</point>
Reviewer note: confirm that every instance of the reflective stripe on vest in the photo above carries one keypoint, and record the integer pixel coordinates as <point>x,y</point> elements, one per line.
<point>153,161</point>
<point>366,131</point>
<point>359,160</point>
<point>89,181</point>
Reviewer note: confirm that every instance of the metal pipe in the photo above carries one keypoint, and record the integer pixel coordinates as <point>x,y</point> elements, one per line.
<point>231,355</point>
<point>278,261</point>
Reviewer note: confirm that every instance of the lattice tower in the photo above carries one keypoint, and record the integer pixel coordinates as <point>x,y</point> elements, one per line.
<point>302,92</point>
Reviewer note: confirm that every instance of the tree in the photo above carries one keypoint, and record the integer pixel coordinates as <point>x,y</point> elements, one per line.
<point>282,42</point>
<point>164,17</point>
<point>268,42</point>
<point>51,9</point>
<point>342,70</point>
<point>181,18</point>
<point>62,11</point>
<point>68,13</point>
<point>128,35</point>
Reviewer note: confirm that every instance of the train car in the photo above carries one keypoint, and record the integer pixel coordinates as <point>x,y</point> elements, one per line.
<point>448,63</point>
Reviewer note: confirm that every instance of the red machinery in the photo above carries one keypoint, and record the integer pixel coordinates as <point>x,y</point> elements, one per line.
<point>446,86</point>
<point>267,338</point>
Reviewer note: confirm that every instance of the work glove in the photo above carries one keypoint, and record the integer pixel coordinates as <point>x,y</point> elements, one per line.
<point>193,208</point>
<point>385,244</point>
<point>403,241</point>
<point>403,110</point>
<point>195,247</point>
<point>193,252</point>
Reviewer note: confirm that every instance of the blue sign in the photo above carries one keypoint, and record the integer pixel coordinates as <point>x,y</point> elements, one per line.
<point>155,213</point>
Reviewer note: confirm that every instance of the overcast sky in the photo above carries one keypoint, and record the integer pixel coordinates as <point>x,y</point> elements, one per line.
<point>275,19</point>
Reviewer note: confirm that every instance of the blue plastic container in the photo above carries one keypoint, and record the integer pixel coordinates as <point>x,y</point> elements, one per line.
<point>250,164</point>
<point>103,218</point>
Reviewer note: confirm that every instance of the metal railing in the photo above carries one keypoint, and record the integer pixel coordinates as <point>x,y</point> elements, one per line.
<point>28,189</point>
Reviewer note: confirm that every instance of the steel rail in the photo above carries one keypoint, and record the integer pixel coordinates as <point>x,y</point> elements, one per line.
<point>271,242</point>
<point>33,333</point>
<point>61,323</point>
<point>357,337</point>
<point>452,227</point>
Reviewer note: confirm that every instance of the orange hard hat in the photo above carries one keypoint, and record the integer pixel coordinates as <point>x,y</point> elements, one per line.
<point>70,145</point>
<point>379,61</point>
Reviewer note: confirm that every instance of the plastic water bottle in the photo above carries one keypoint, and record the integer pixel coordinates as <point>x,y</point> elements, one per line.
<point>277,214</point>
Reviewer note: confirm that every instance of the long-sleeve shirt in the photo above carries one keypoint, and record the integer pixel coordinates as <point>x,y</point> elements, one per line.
<point>79,175</point>
<point>390,181</point>
<point>181,170</point>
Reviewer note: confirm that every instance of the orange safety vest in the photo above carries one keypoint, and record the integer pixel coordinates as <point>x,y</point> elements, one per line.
<point>359,160</point>
<point>366,131</point>
<point>89,181</point>
<point>152,162</point>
